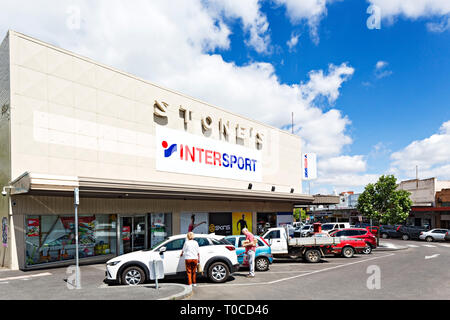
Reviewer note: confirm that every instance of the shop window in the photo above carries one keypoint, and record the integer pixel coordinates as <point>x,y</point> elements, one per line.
<point>160,227</point>
<point>52,238</point>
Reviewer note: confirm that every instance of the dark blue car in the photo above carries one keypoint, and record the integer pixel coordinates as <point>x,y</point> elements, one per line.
<point>263,257</point>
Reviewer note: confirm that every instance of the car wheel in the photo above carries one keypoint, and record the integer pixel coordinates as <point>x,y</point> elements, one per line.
<point>429,239</point>
<point>218,272</point>
<point>405,237</point>
<point>348,252</point>
<point>367,249</point>
<point>133,276</point>
<point>312,255</point>
<point>262,264</point>
<point>384,235</point>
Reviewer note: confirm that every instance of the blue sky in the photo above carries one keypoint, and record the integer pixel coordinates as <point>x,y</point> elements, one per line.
<point>367,101</point>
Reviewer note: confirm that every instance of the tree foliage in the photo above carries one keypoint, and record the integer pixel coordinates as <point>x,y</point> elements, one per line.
<point>384,203</point>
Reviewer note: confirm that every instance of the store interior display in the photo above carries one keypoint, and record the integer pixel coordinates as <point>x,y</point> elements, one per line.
<point>52,238</point>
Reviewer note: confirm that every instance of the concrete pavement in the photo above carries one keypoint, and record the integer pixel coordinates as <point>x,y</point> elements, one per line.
<point>51,284</point>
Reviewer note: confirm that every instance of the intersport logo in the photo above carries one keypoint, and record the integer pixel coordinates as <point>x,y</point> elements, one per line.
<point>200,155</point>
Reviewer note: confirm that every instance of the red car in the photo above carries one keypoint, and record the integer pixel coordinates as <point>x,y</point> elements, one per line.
<point>358,233</point>
<point>347,247</point>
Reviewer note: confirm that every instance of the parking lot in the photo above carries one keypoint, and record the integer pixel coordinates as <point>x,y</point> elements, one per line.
<point>405,274</point>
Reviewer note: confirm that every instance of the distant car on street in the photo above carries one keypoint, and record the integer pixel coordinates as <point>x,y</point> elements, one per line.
<point>305,231</point>
<point>433,235</point>
<point>389,231</point>
<point>263,257</point>
<point>371,228</point>
<point>298,224</point>
<point>346,247</point>
<point>358,233</point>
<point>411,232</point>
<point>447,236</point>
<point>331,226</point>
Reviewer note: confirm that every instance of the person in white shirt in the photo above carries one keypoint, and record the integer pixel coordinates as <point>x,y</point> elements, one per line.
<point>191,258</point>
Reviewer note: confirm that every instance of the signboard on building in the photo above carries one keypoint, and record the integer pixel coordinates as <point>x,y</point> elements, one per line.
<point>309,166</point>
<point>220,223</point>
<point>181,152</point>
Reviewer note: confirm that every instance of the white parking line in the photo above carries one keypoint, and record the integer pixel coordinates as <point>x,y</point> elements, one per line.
<point>444,245</point>
<point>298,276</point>
<point>290,271</point>
<point>6,282</point>
<point>429,245</point>
<point>27,277</point>
<point>412,246</point>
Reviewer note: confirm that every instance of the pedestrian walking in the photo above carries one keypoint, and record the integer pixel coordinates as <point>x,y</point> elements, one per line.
<point>191,258</point>
<point>250,251</point>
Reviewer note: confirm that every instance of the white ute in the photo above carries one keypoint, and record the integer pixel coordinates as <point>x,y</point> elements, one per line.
<point>311,249</point>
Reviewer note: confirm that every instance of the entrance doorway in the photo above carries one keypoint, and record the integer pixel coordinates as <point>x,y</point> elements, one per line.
<point>133,233</point>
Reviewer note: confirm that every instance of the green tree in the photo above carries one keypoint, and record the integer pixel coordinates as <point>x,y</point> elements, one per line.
<point>384,203</point>
<point>297,214</point>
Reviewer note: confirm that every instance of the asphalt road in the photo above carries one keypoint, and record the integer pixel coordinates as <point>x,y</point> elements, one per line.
<point>420,272</point>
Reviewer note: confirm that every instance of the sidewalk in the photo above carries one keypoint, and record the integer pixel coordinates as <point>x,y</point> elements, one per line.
<point>51,284</point>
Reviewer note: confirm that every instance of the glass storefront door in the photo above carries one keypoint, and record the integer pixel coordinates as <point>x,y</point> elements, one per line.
<point>133,233</point>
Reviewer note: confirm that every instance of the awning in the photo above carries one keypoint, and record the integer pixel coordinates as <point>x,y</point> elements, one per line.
<point>39,184</point>
<point>430,209</point>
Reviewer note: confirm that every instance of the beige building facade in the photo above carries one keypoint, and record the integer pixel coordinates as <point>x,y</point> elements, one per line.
<point>148,162</point>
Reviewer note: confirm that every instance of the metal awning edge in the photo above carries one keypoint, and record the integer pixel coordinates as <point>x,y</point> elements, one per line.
<point>31,182</point>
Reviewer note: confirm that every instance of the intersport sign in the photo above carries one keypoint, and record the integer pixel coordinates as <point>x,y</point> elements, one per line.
<point>181,152</point>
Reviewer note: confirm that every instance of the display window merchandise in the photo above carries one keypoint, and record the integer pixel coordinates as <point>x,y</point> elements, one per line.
<point>52,238</point>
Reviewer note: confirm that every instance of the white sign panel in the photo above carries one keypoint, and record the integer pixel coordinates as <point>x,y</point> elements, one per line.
<point>181,152</point>
<point>309,166</point>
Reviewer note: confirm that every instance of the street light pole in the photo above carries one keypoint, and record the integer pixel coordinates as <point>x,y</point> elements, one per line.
<point>77,262</point>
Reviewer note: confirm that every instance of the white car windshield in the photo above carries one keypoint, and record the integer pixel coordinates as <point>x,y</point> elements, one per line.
<point>327,227</point>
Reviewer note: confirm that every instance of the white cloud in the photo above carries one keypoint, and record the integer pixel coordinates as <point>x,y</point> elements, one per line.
<point>293,41</point>
<point>343,164</point>
<point>412,8</point>
<point>432,155</point>
<point>380,70</point>
<point>380,64</point>
<point>253,20</point>
<point>170,43</point>
<point>439,27</point>
<point>327,86</point>
<point>311,11</point>
<point>416,9</point>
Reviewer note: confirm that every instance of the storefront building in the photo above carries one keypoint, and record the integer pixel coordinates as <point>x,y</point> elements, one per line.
<point>148,162</point>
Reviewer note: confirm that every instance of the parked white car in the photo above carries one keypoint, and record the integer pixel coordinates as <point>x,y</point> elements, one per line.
<point>332,226</point>
<point>298,224</point>
<point>217,257</point>
<point>433,235</point>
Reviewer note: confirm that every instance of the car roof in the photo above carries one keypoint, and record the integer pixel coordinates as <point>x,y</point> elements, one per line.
<point>180,236</point>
